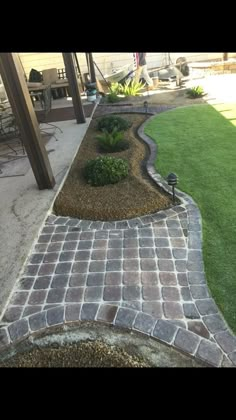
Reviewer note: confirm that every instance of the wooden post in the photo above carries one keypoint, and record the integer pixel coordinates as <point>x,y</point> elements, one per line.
<point>79,71</point>
<point>74,87</point>
<point>22,107</point>
<point>225,56</point>
<point>91,68</point>
<point>87,61</point>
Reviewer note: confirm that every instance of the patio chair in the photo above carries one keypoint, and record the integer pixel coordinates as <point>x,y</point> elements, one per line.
<point>46,108</point>
<point>9,132</point>
<point>35,95</point>
<point>59,86</point>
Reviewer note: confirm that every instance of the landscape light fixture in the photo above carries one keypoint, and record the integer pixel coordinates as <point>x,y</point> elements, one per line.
<point>145,104</point>
<point>172,181</point>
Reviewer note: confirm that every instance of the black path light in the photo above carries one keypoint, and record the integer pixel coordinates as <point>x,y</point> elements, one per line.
<point>145,104</point>
<point>172,180</point>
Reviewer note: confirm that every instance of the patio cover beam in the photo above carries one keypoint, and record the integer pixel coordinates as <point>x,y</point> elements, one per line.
<point>91,67</point>
<point>74,87</point>
<point>22,107</point>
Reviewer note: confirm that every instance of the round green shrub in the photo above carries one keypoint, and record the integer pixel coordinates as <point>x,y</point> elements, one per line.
<point>105,170</point>
<point>111,122</point>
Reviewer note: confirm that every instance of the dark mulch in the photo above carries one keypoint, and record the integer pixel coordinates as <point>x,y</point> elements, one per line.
<point>134,196</point>
<point>64,114</point>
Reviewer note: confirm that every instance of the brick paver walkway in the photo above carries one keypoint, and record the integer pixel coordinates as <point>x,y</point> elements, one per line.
<point>145,274</point>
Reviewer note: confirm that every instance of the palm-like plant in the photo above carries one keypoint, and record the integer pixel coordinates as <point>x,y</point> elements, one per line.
<point>129,88</point>
<point>132,88</point>
<point>195,92</point>
<point>110,141</point>
<point>115,88</point>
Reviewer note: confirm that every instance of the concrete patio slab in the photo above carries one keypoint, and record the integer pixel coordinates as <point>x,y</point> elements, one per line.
<point>23,206</point>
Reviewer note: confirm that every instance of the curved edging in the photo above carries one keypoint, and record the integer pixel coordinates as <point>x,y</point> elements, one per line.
<point>207,308</point>
<point>127,109</point>
<point>161,330</point>
<point>157,178</point>
<point>137,222</point>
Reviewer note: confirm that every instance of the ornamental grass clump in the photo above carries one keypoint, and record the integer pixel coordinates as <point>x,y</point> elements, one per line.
<point>111,122</point>
<point>195,92</point>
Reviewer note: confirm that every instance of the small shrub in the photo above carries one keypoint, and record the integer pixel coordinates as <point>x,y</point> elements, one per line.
<point>111,122</point>
<point>112,97</point>
<point>195,92</point>
<point>112,142</point>
<point>105,170</point>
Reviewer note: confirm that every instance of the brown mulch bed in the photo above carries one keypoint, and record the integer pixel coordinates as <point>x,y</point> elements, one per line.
<point>134,196</point>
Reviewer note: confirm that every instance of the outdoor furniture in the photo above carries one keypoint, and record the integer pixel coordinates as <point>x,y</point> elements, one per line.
<point>36,92</point>
<point>58,81</point>
<point>11,145</point>
<point>59,86</point>
<point>46,108</point>
<point>9,131</point>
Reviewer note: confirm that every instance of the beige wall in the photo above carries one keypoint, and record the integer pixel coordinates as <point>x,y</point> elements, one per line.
<point>107,61</point>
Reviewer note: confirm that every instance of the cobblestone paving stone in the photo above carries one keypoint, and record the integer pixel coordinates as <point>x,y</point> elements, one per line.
<point>144,273</point>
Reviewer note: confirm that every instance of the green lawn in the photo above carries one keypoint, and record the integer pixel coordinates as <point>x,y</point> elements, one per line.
<point>198,143</point>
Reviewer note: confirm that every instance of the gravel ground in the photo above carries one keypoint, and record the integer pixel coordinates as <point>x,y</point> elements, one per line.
<point>85,354</point>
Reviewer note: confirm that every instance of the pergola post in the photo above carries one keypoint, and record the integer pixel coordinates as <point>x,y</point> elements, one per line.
<point>22,107</point>
<point>74,87</point>
<point>91,67</point>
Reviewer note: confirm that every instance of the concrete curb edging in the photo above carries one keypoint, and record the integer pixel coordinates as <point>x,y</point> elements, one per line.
<point>185,341</point>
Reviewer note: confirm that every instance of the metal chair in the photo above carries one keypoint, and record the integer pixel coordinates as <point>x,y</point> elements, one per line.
<point>11,145</point>
<point>46,108</point>
<point>9,131</point>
